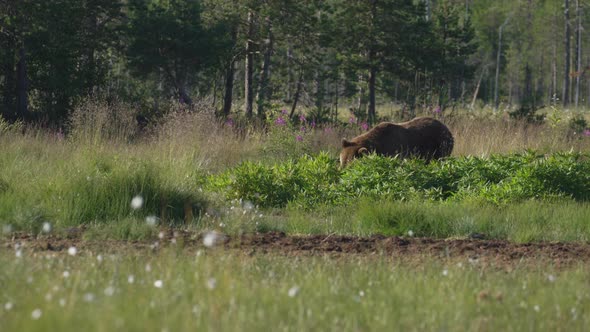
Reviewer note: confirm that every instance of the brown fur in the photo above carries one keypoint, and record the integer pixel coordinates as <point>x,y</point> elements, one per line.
<point>423,137</point>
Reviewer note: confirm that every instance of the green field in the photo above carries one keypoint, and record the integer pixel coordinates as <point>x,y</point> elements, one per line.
<point>259,181</point>
<point>221,291</point>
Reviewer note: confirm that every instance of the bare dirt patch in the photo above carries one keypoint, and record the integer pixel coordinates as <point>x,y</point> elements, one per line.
<point>490,251</point>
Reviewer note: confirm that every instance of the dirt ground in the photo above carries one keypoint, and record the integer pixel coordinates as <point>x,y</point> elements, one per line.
<point>494,252</point>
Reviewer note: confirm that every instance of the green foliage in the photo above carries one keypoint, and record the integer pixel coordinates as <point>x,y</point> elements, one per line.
<point>577,125</point>
<point>499,179</point>
<point>528,114</point>
<point>286,138</point>
<point>306,179</point>
<point>168,38</point>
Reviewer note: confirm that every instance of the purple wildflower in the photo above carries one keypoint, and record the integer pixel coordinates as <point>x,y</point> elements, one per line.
<point>299,138</point>
<point>284,112</point>
<point>312,124</point>
<point>229,122</point>
<point>280,121</point>
<point>303,128</point>
<point>302,118</point>
<point>365,125</point>
<point>587,132</point>
<point>328,130</point>
<point>437,110</point>
<point>352,120</point>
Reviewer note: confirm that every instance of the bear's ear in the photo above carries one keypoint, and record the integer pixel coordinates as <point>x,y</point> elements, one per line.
<point>346,143</point>
<point>363,151</point>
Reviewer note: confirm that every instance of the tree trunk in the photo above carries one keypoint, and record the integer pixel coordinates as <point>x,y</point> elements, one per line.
<point>22,107</point>
<point>372,116</point>
<point>8,91</point>
<point>184,96</point>
<point>578,50</point>
<point>229,89</point>
<point>588,82</point>
<point>289,73</point>
<point>498,58</point>
<point>229,79</point>
<point>92,26</point>
<point>553,95</point>
<point>566,78</point>
<point>336,99</point>
<point>297,93</point>
<point>359,102</point>
<point>249,64</point>
<point>483,71</point>
<point>265,71</point>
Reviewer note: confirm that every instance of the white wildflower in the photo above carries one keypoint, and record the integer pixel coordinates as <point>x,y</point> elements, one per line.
<point>36,314</point>
<point>151,220</point>
<point>137,202</point>
<point>89,297</point>
<point>211,283</point>
<point>109,291</point>
<point>293,291</point>
<point>72,251</point>
<point>46,227</point>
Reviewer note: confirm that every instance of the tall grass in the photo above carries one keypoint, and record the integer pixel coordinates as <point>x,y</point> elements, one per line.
<point>91,174</point>
<point>530,221</point>
<point>482,136</point>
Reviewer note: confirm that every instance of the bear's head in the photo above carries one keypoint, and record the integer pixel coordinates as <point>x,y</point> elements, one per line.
<point>350,151</point>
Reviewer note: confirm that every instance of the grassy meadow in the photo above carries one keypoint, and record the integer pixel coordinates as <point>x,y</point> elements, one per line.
<point>506,179</point>
<point>176,290</point>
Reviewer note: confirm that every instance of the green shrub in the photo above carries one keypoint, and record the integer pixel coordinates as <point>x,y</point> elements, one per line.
<point>307,180</point>
<point>313,181</point>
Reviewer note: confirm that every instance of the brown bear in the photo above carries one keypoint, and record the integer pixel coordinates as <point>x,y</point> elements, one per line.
<point>423,137</point>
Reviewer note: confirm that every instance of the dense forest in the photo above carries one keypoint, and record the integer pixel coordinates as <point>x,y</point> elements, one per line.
<point>247,57</point>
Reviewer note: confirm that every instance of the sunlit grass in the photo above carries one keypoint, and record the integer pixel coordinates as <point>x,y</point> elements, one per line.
<point>177,290</point>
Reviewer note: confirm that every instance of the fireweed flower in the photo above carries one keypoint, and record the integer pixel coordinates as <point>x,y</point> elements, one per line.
<point>365,126</point>
<point>303,128</point>
<point>328,130</point>
<point>302,118</point>
<point>284,112</point>
<point>229,122</point>
<point>280,121</point>
<point>587,132</point>
<point>352,120</point>
<point>437,110</point>
<point>299,138</point>
<point>312,124</point>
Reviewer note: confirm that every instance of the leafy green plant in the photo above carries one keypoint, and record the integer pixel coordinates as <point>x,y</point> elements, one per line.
<point>313,181</point>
